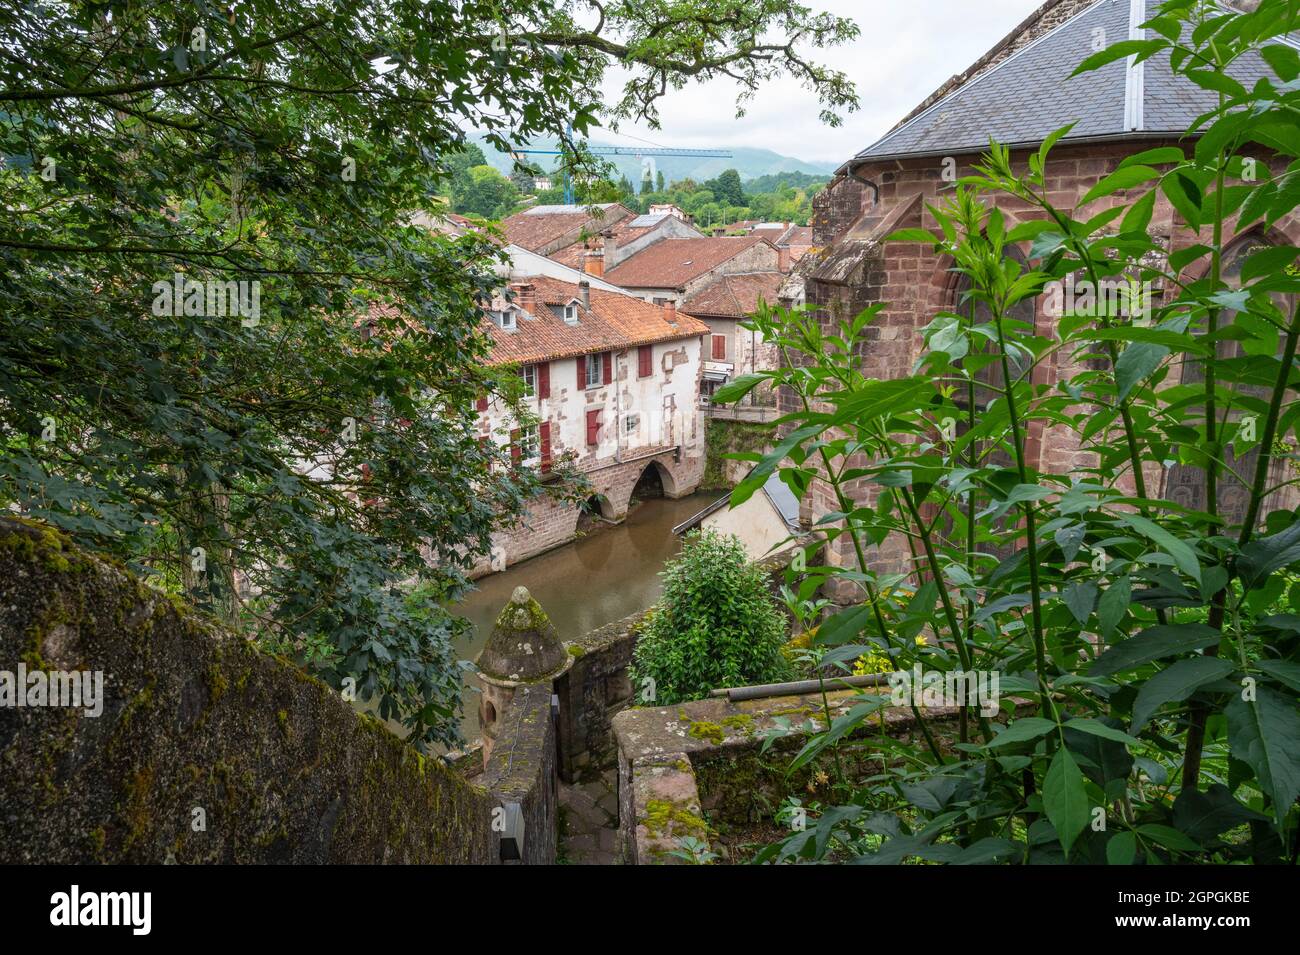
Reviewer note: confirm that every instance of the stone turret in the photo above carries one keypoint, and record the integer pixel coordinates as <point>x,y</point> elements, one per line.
<point>523,647</point>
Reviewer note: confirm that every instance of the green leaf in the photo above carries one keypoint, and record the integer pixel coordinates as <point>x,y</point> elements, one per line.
<point>1203,816</point>
<point>1177,341</point>
<point>1125,177</point>
<point>1136,363</point>
<point>1183,555</point>
<point>1023,730</point>
<point>843,626</point>
<point>1158,156</point>
<point>1185,196</point>
<point>1096,728</point>
<point>1119,51</point>
<point>1080,597</point>
<point>1177,682</point>
<point>1114,604</point>
<point>912,235</point>
<point>1266,261</point>
<point>1121,849</point>
<point>1281,670</point>
<point>1263,734</point>
<point>733,391</point>
<point>1168,837</point>
<point>1154,643</point>
<point>1065,798</point>
<point>1262,557</point>
<point>1138,216</point>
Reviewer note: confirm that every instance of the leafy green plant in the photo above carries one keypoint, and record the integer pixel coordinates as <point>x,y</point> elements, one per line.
<point>1149,681</point>
<point>716,624</point>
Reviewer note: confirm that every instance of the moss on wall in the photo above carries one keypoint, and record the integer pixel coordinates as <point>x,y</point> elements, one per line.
<point>206,750</point>
<point>723,437</point>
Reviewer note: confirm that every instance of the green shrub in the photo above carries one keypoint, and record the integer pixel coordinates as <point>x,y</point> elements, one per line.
<point>716,625</point>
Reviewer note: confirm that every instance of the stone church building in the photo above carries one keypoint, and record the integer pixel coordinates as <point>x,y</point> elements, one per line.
<point>1017,93</point>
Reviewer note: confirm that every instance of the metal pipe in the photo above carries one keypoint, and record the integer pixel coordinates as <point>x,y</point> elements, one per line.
<point>737,693</point>
<point>853,174</point>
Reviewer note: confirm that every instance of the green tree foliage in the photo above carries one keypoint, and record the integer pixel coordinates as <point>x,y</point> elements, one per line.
<point>768,199</point>
<point>727,189</point>
<point>295,465</point>
<point>716,624</point>
<point>484,192</point>
<point>1156,644</point>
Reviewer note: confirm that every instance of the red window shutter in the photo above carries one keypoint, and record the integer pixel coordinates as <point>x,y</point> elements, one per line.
<point>582,372</point>
<point>514,446</point>
<point>593,428</point>
<point>544,380</point>
<point>545,429</point>
<point>483,444</point>
<point>719,347</point>
<point>608,359</point>
<point>644,360</point>
<point>482,404</point>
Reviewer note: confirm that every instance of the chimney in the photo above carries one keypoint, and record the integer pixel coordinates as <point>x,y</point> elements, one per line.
<point>584,293</point>
<point>670,312</point>
<point>608,245</point>
<point>593,263</point>
<point>526,296</point>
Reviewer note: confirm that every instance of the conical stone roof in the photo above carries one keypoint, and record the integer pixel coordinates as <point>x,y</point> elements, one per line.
<point>524,646</point>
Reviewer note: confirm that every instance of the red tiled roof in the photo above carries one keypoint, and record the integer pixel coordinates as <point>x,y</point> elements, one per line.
<point>798,235</point>
<point>734,296</point>
<point>531,230</point>
<point>614,321</point>
<point>674,262</point>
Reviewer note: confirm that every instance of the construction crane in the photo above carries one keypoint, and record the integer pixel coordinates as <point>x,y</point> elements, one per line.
<point>638,151</point>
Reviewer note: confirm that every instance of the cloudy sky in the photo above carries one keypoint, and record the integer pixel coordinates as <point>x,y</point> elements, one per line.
<point>907,48</point>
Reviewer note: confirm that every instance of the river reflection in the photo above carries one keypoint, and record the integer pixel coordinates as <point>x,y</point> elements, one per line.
<point>585,584</point>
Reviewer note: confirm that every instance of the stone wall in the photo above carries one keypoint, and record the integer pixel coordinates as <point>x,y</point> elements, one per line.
<point>207,750</point>
<point>591,693</point>
<point>700,770</point>
<point>522,769</point>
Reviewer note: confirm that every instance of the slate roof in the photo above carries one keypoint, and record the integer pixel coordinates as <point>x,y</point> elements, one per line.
<point>614,321</point>
<point>734,296</point>
<point>783,502</point>
<point>672,262</point>
<point>1025,96</point>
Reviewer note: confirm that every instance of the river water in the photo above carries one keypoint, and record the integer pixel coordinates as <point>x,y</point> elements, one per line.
<point>585,584</point>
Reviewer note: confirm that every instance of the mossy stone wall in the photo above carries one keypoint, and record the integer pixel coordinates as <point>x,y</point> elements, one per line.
<point>195,718</point>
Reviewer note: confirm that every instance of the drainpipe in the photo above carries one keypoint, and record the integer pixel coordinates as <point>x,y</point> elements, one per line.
<point>875,190</point>
<point>618,414</point>
<point>738,693</point>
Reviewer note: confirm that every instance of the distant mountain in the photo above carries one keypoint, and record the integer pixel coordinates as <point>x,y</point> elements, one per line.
<point>750,163</point>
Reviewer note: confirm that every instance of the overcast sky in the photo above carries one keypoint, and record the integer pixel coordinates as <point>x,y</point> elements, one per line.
<point>907,49</point>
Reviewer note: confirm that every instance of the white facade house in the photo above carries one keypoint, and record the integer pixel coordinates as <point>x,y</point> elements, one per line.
<point>613,382</point>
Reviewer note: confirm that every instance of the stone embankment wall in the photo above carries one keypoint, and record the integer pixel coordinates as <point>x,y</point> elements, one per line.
<point>700,769</point>
<point>207,750</point>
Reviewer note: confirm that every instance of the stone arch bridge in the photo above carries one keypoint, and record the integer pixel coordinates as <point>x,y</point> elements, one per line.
<point>548,524</point>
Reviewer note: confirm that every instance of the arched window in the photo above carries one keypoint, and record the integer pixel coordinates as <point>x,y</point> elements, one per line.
<point>1185,484</point>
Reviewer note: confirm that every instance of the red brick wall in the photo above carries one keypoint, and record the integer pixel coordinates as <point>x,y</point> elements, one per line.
<point>916,284</point>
